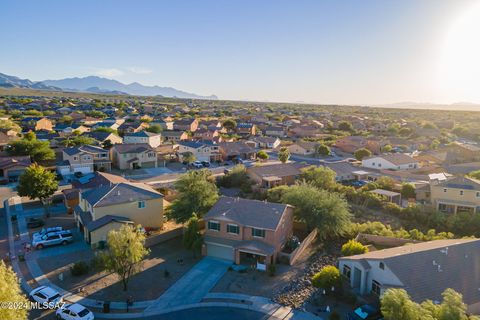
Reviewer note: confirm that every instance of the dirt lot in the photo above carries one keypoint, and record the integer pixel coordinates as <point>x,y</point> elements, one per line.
<point>258,283</point>
<point>149,284</point>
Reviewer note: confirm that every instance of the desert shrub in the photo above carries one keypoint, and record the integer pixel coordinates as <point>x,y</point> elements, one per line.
<point>353,247</point>
<point>328,277</point>
<point>79,268</point>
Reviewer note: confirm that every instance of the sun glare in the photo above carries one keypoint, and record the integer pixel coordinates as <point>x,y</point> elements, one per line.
<point>459,65</point>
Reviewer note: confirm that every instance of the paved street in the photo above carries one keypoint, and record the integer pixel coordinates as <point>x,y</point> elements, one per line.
<point>213,313</point>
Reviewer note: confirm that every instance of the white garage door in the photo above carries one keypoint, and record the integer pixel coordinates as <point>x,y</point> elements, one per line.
<point>221,252</point>
<point>84,170</point>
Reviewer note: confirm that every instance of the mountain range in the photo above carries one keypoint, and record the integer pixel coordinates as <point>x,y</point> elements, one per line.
<point>94,84</point>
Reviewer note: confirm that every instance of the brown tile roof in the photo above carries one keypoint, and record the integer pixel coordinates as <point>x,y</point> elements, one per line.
<point>278,170</point>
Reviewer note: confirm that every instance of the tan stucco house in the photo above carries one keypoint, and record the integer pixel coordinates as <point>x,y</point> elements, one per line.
<point>133,156</point>
<point>458,194</point>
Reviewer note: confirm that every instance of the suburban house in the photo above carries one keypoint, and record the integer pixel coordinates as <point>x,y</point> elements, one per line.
<point>206,134</point>
<point>424,270</point>
<point>103,137</point>
<point>236,150</point>
<point>153,139</point>
<point>269,176</point>
<point>174,136</point>
<point>264,142</point>
<point>84,159</point>
<point>67,129</point>
<point>203,151</point>
<point>274,131</point>
<point>107,207</point>
<point>36,124</point>
<point>246,129</point>
<point>131,127</point>
<point>186,125</point>
<point>457,194</point>
<point>133,156</point>
<point>304,148</point>
<point>350,144</point>
<point>249,232</point>
<point>12,167</point>
<point>343,170</point>
<point>6,137</point>
<point>464,152</point>
<point>391,161</point>
<point>305,131</point>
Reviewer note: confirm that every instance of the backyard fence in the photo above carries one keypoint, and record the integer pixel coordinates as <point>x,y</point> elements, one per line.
<point>295,254</point>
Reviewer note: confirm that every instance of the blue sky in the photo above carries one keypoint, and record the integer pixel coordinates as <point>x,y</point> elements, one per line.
<point>354,52</point>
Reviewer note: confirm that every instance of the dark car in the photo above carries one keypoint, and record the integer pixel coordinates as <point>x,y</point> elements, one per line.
<point>206,164</point>
<point>365,312</point>
<point>35,222</point>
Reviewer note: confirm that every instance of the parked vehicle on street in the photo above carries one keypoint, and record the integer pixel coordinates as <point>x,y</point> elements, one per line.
<point>197,164</point>
<point>44,231</point>
<point>206,164</point>
<point>52,239</point>
<point>45,294</point>
<point>74,311</point>
<point>35,223</point>
<point>365,312</point>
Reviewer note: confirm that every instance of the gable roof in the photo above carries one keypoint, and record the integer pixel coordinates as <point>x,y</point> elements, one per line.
<point>144,134</point>
<point>395,158</point>
<point>251,213</point>
<point>13,161</point>
<point>96,224</point>
<point>465,183</point>
<point>132,147</point>
<point>278,170</point>
<point>427,269</point>
<point>118,193</point>
<point>86,148</point>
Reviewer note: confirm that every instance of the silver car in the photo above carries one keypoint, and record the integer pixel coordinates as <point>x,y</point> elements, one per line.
<point>51,239</point>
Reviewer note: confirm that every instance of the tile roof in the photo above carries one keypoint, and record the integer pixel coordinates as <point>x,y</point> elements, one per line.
<point>278,170</point>
<point>144,134</point>
<point>8,162</point>
<point>87,148</point>
<point>396,158</point>
<point>132,147</point>
<point>123,192</point>
<point>252,213</point>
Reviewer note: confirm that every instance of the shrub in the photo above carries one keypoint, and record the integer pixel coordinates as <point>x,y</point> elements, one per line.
<point>97,263</point>
<point>79,268</point>
<point>353,247</point>
<point>327,278</point>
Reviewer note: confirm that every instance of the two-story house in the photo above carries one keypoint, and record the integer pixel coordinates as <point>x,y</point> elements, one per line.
<point>391,161</point>
<point>273,175</point>
<point>84,159</point>
<point>458,194</point>
<point>246,129</point>
<point>174,136</point>
<point>203,151</point>
<point>186,125</point>
<point>133,156</point>
<point>109,206</point>
<point>245,231</point>
<point>132,127</point>
<point>36,124</point>
<point>152,139</point>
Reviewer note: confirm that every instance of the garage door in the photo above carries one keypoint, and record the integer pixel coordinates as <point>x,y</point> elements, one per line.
<point>221,252</point>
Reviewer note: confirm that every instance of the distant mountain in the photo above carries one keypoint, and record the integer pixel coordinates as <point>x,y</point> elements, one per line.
<point>135,88</point>
<point>98,90</point>
<point>7,81</point>
<point>458,106</point>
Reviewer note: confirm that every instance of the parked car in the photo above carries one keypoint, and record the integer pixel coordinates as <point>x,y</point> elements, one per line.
<point>44,231</point>
<point>358,183</point>
<point>365,312</point>
<point>74,311</point>
<point>197,164</point>
<point>51,239</point>
<point>35,222</point>
<point>45,294</point>
<point>206,164</point>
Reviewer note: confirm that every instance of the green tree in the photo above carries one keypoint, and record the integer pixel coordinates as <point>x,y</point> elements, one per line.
<point>66,120</point>
<point>262,155</point>
<point>385,182</point>
<point>452,306</point>
<point>475,174</point>
<point>155,128</point>
<point>10,125</point>
<point>362,153</point>
<point>126,250</point>
<point>37,183</point>
<point>229,124</point>
<point>328,277</point>
<point>276,194</point>
<point>408,191</point>
<point>352,248</point>
<point>284,154</point>
<point>197,194</point>
<point>345,126</point>
<point>188,157</point>
<point>397,305</point>
<point>326,211</point>
<point>10,291</point>
<point>192,238</point>
<point>320,177</point>
<point>77,141</point>
<point>30,146</point>
<point>387,148</point>
<point>322,150</point>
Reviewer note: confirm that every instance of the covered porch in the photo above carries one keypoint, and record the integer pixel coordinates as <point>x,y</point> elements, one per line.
<point>255,254</point>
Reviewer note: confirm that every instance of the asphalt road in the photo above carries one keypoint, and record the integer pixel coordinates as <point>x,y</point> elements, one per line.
<point>213,313</point>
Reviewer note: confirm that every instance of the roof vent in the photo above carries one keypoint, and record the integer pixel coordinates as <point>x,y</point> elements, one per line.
<point>439,268</point>
<point>434,262</point>
<point>118,192</point>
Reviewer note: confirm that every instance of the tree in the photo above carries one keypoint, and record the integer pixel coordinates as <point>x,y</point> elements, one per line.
<point>408,191</point>
<point>475,174</point>
<point>10,125</point>
<point>352,248</point>
<point>37,183</point>
<point>387,148</point>
<point>262,155</point>
<point>322,150</point>
<point>188,157</point>
<point>192,238</point>
<point>66,119</point>
<point>197,194</point>
<point>385,182</point>
<point>327,278</point>
<point>30,146</point>
<point>397,305</point>
<point>326,211</point>
<point>77,141</point>
<point>107,144</point>
<point>229,124</point>
<point>126,250</point>
<point>10,291</point>
<point>345,126</point>
<point>362,153</point>
<point>154,128</point>
<point>320,177</point>
<point>284,154</point>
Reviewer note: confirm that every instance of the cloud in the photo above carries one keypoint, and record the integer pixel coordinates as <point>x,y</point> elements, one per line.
<point>139,70</point>
<point>109,73</point>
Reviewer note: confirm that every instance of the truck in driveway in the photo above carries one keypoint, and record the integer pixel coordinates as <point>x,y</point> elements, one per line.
<point>54,238</point>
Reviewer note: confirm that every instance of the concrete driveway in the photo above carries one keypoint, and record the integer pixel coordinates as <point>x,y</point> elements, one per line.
<point>193,286</point>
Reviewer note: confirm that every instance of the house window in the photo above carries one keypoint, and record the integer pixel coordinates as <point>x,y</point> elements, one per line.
<point>461,192</point>
<point>373,163</point>
<point>444,190</point>
<point>442,207</point>
<point>141,204</point>
<point>75,158</point>
<point>259,233</point>
<point>478,194</point>
<point>214,225</point>
<point>376,287</point>
<point>381,265</point>
<point>233,228</point>
<point>379,165</point>
<point>347,271</point>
